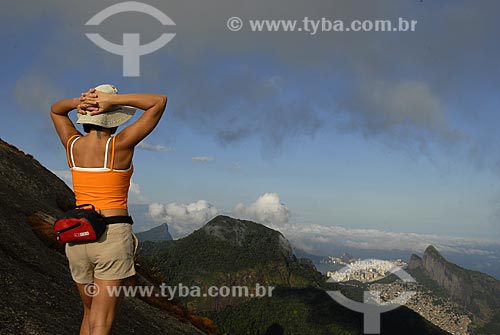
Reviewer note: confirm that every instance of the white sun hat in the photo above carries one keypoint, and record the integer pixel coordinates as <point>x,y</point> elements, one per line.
<point>113,118</point>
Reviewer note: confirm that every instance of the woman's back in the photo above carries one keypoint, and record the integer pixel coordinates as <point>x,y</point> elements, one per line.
<point>101,114</point>
<point>101,174</point>
<point>89,151</point>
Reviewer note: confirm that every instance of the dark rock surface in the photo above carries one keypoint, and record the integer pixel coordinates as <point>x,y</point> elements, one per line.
<point>38,295</point>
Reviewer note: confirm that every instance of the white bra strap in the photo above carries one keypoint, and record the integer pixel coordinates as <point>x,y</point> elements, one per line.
<point>71,150</point>
<point>106,154</point>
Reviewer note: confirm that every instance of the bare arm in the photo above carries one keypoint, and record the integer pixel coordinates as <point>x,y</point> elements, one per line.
<point>63,124</point>
<point>152,104</point>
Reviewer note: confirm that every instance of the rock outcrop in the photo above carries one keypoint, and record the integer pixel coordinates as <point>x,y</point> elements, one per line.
<point>415,262</point>
<point>449,276</point>
<point>159,233</point>
<point>476,292</point>
<point>38,293</point>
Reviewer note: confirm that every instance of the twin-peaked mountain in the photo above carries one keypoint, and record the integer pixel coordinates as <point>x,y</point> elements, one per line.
<point>474,291</point>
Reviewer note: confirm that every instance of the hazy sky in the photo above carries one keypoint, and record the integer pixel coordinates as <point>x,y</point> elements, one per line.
<point>364,131</point>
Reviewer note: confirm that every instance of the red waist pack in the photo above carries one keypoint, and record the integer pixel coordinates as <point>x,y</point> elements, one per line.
<point>80,225</point>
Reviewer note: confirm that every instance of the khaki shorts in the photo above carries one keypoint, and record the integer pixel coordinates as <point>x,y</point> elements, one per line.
<point>111,257</point>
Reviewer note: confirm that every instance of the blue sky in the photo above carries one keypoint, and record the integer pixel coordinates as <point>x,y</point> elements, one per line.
<point>393,132</point>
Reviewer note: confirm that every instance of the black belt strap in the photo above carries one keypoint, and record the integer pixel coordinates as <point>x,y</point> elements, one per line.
<point>118,219</point>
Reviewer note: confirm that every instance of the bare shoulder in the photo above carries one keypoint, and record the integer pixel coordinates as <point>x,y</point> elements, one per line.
<point>123,154</point>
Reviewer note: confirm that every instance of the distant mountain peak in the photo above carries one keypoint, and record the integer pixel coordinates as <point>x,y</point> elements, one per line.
<point>432,251</point>
<point>478,293</point>
<point>226,228</point>
<point>347,257</point>
<point>236,231</point>
<point>158,233</point>
<point>415,262</point>
<point>221,219</point>
<point>230,251</point>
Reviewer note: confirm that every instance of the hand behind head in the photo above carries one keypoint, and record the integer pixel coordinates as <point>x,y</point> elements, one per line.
<point>94,102</point>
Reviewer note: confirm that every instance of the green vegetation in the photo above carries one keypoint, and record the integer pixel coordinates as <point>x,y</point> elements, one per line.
<point>234,252</point>
<point>217,250</point>
<point>228,252</point>
<point>309,311</point>
<point>491,328</point>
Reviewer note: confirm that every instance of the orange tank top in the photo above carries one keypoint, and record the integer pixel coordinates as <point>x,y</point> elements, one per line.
<point>105,188</point>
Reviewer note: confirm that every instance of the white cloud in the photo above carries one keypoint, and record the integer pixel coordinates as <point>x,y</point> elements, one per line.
<point>156,210</point>
<point>266,209</point>
<point>135,188</point>
<point>202,159</point>
<point>183,218</point>
<point>152,147</point>
<point>136,195</point>
<point>316,239</point>
<point>323,239</point>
